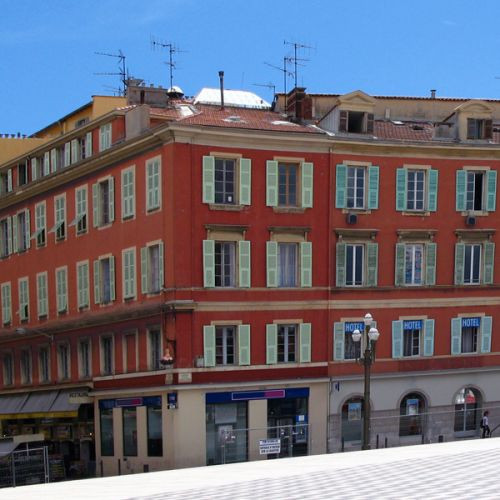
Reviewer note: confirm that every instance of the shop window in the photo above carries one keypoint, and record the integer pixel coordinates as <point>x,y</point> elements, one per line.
<point>129,416</point>
<point>352,420</point>
<point>44,364</point>
<point>467,411</point>
<point>26,372</point>
<point>411,410</point>
<point>8,369</point>
<point>107,441</point>
<point>155,434</point>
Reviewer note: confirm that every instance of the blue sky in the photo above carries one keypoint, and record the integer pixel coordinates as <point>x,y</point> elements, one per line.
<point>392,47</point>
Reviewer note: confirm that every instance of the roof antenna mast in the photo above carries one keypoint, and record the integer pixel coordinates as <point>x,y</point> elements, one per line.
<point>172,49</point>
<point>283,69</point>
<point>295,59</point>
<point>122,73</point>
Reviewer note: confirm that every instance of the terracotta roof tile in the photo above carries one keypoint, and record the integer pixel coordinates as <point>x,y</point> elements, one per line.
<point>410,131</point>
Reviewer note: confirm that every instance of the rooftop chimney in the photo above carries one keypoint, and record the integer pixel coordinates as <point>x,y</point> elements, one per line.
<point>433,93</point>
<point>221,79</point>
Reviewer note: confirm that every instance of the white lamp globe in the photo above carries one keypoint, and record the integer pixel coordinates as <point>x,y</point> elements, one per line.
<point>356,335</point>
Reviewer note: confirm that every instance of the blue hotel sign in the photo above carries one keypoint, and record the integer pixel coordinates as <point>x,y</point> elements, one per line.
<point>412,324</point>
<point>471,322</point>
<point>350,327</point>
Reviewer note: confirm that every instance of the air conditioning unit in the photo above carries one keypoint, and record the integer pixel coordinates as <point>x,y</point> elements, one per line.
<point>199,362</point>
<point>470,220</point>
<point>351,218</point>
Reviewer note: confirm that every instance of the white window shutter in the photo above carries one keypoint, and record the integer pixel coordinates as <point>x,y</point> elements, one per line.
<point>144,270</point>
<point>67,154</point>
<point>112,289</point>
<point>111,184</point>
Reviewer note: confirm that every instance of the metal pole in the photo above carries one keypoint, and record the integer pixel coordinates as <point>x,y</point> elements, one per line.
<point>367,361</point>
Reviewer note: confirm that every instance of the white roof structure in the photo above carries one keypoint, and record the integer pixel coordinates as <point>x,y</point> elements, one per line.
<point>238,98</point>
<point>455,470</point>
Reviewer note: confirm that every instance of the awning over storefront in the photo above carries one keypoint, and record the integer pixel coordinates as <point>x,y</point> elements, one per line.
<point>62,402</point>
<point>13,403</point>
<point>39,402</point>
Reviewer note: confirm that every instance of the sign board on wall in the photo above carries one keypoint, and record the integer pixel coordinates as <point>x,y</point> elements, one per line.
<point>268,446</point>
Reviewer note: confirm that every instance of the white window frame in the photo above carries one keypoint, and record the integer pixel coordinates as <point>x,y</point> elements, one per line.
<point>81,373</point>
<point>416,172</point>
<point>24,298</point>
<point>59,228</point>
<point>224,332</point>
<point>153,193</point>
<point>60,372</point>
<point>44,380</point>
<point>151,365</point>
<point>363,264</point>
<point>287,352</point>
<point>356,168</point>
<point>413,246</point>
<point>40,224</point>
<point>480,277</point>
<point>81,220</point>
<point>128,192</point>
<point>129,273</point>
<point>102,338</point>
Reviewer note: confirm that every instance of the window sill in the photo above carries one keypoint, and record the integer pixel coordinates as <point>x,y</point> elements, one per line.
<point>128,299</point>
<point>226,206</point>
<point>357,211</point>
<point>416,213</point>
<point>152,210</point>
<point>81,232</point>
<point>126,218</point>
<point>104,226</point>
<point>475,213</point>
<point>289,210</point>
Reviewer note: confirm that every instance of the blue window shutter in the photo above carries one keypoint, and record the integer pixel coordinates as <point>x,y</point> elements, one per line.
<point>245,181</point>
<point>209,345</point>
<point>486,328</point>
<point>459,263</point>
<point>491,187</point>
<point>208,180</point>
<point>340,265</point>
<point>208,263</point>
<point>244,344</point>
<point>271,344</point>
<point>430,263</point>
<point>271,183</point>
<point>433,190</point>
<point>401,189</point>
<point>428,337</point>
<point>307,184</point>
<point>399,273</point>
<point>397,339</point>
<point>489,259</point>
<point>461,187</point>
<point>341,186</point>
<point>272,263</point>
<point>305,342</point>
<point>456,335</point>
<point>338,341</point>
<point>373,182</point>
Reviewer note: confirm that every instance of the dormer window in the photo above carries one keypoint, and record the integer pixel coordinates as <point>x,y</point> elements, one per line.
<point>356,122</point>
<point>479,129</point>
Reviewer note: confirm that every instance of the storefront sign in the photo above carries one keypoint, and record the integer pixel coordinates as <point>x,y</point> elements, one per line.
<point>172,400</point>
<point>79,398</point>
<point>268,446</point>
<point>127,402</point>
<point>471,322</point>
<point>248,395</point>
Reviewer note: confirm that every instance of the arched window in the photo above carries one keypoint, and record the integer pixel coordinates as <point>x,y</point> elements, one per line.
<point>411,410</point>
<point>467,410</point>
<point>352,419</point>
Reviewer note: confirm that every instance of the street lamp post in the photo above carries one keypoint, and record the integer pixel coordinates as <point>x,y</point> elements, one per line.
<point>28,331</point>
<point>370,336</point>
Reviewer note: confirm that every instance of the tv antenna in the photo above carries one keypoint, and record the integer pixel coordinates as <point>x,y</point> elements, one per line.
<point>283,69</point>
<point>295,59</point>
<point>121,65</point>
<point>172,49</point>
<point>269,85</point>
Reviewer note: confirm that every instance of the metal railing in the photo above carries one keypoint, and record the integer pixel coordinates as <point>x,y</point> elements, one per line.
<point>22,467</point>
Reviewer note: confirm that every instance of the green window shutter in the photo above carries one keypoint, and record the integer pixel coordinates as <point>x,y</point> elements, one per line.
<point>459,263</point>
<point>79,285</point>
<point>208,179</point>
<point>88,145</point>
<point>59,290</point>
<point>6,306</point>
<point>42,310</point>
<point>14,233</point>
<point>430,263</point>
<point>305,342</point>
<point>144,270</point>
<point>461,187</point>
<point>95,204</point>
<point>244,264</point>
<point>10,242</point>
<point>9,180</point>
<point>271,344</point>
<point>245,181</point>
<point>307,184</point>
<point>209,345</point>
<point>433,190</point>
<point>111,186</point>
<point>401,189</point>
<point>126,274</point>
<point>456,336</point>
<point>34,172</point>
<point>46,163</point>
<point>305,264</point>
<point>491,186</point>
<point>428,337</point>
<point>340,265</point>
<point>489,259</point>
<point>341,186</point>
<point>161,265</point>
<point>97,282</point>
<point>399,273</point>
<point>338,341</point>
<point>371,264</point>
<point>208,263</point>
<point>397,339</point>
<point>244,344</point>
<point>27,229</point>
<point>373,182</point>
<point>67,154</point>
<point>486,327</point>
<point>112,289</point>
<point>271,183</point>
<point>74,151</point>
<point>272,263</point>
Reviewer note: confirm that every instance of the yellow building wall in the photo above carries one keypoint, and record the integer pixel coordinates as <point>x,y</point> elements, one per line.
<point>12,147</point>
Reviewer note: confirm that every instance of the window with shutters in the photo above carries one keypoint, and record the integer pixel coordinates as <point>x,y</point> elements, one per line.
<point>63,361</point>
<point>42,295</point>
<point>416,189</point>
<point>476,190</point>
<point>128,193</point>
<point>225,345</point>
<point>23,299</point>
<point>355,122</point>
<point>478,129</point>
<point>5,292</point>
<point>21,231</point>
<point>26,367</point>
<point>44,364</point>
<point>471,334</point>
<point>62,289</point>
<point>225,263</point>
<point>356,187</point>
<point>40,225</point>
<point>352,350</point>
<point>105,132</point>
<point>8,369</point>
<point>6,182</point>
<point>22,173</point>
<point>287,184</point>
<point>356,263</point>
<point>5,237</point>
<point>412,337</point>
<point>103,199</point>
<point>154,348</point>
<point>84,358</point>
<point>104,280</point>
<point>81,210</point>
<point>226,180</point>
<point>153,183</point>
<point>107,355</point>
<point>474,262</point>
<point>288,264</point>
<point>152,279</point>
<point>82,284</point>
<point>60,217</point>
<point>129,273</point>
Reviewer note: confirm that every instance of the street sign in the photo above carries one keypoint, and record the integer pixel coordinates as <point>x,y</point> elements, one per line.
<point>268,446</point>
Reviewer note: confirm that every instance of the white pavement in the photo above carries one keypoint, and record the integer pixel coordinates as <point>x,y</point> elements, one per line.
<point>458,470</point>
